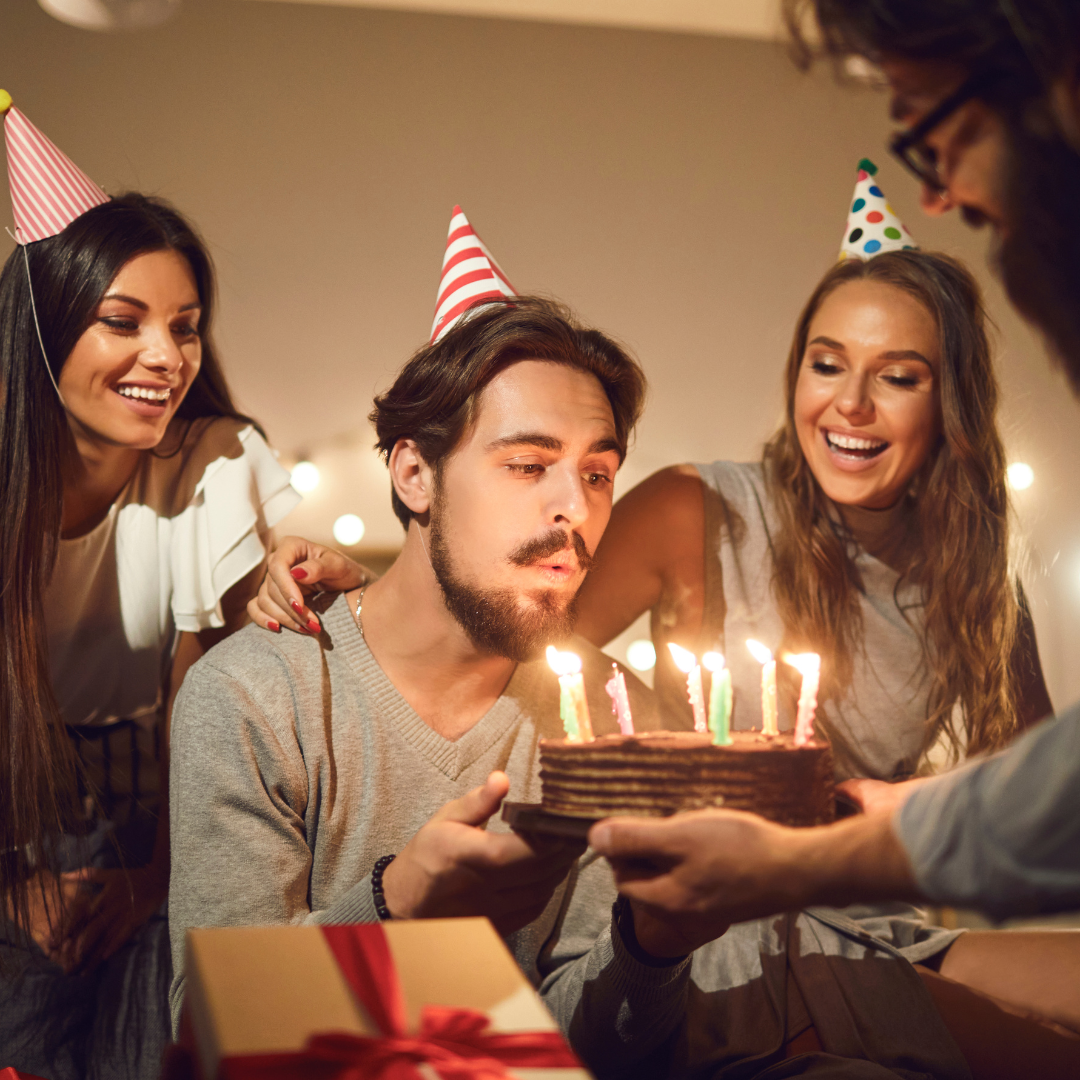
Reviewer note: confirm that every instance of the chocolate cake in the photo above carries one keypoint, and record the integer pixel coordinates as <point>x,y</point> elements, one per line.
<point>662,772</point>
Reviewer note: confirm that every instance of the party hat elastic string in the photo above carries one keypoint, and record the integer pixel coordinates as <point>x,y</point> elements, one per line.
<point>37,325</point>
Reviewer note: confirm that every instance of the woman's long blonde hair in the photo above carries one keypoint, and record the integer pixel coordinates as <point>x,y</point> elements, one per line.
<point>961,557</point>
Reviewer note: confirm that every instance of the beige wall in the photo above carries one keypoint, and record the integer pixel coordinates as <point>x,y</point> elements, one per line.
<point>682,192</point>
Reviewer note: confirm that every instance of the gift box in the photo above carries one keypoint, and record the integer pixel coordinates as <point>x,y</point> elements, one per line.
<point>396,1000</point>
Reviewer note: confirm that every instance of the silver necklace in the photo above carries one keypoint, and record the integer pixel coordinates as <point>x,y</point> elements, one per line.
<point>359,601</point>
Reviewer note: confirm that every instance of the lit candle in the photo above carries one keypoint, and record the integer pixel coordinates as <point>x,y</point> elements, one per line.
<point>810,666</point>
<point>573,708</point>
<point>687,663</point>
<point>719,698</point>
<point>764,657</point>
<point>620,700</point>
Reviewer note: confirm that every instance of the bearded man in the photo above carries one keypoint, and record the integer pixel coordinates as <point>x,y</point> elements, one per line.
<point>302,763</point>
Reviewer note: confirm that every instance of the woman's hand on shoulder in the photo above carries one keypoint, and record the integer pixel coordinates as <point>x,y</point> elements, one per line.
<point>296,569</point>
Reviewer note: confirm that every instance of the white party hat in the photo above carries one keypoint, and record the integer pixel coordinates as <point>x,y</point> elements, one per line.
<point>872,224</point>
<point>469,273</point>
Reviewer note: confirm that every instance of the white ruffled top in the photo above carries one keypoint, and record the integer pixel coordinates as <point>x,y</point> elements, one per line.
<point>193,520</point>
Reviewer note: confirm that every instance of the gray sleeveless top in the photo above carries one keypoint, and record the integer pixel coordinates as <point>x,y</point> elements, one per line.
<point>877,729</point>
<point>838,959</point>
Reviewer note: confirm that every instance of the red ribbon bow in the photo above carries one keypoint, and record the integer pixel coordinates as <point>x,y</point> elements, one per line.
<point>457,1043</point>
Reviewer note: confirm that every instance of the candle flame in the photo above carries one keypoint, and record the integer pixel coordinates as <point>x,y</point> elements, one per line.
<point>684,659</point>
<point>563,663</point>
<point>804,662</point>
<point>713,661</point>
<point>762,654</point>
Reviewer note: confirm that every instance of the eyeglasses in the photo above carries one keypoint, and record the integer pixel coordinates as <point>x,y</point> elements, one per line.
<point>910,146</point>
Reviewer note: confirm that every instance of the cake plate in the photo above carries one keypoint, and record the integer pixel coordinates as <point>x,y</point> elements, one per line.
<point>533,818</point>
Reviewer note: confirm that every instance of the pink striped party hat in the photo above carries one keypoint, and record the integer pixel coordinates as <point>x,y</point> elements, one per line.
<point>872,225</point>
<point>48,190</point>
<point>469,273</point>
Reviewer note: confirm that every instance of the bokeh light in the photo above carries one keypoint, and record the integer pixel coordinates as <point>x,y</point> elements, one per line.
<point>348,530</point>
<point>304,476</point>
<point>641,655</point>
<point>1021,476</point>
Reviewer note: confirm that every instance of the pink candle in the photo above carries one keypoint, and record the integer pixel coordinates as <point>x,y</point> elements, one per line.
<point>620,700</point>
<point>687,663</point>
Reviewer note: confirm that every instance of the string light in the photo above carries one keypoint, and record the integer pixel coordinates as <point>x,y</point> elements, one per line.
<point>348,530</point>
<point>641,655</point>
<point>1020,476</point>
<point>304,476</point>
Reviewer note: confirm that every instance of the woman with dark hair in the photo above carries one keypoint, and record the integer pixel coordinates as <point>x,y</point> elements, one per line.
<point>135,508</point>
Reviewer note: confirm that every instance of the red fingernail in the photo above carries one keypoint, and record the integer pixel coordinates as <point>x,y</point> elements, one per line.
<point>313,626</point>
<point>273,624</point>
<point>298,572</point>
<point>297,607</point>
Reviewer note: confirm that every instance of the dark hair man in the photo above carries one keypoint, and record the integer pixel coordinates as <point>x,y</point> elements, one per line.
<point>299,762</point>
<point>989,93</point>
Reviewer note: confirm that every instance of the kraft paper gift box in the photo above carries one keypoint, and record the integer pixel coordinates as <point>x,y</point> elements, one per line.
<point>257,995</point>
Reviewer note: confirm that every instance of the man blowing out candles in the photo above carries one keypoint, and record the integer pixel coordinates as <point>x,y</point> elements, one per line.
<point>300,763</point>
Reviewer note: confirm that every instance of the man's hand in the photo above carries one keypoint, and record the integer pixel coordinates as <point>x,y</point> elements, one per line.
<point>875,796</point>
<point>715,867</point>
<point>453,867</point>
<point>293,570</point>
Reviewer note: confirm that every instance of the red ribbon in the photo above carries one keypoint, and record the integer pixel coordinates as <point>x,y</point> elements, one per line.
<point>457,1043</point>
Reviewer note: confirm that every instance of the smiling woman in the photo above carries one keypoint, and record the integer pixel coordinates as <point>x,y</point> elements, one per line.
<point>135,501</point>
<point>874,532</point>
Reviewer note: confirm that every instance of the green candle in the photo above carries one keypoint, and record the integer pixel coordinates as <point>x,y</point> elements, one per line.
<point>719,699</point>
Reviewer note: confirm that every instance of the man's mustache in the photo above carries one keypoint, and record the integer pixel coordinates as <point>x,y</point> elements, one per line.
<point>551,543</point>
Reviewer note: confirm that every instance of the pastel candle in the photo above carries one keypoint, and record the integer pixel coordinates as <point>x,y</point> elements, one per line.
<point>763,655</point>
<point>687,663</point>
<point>620,700</point>
<point>810,666</point>
<point>573,706</point>
<point>719,698</point>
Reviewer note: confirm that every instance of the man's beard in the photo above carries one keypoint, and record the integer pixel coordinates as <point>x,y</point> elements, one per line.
<point>494,619</point>
<point>1039,256</point>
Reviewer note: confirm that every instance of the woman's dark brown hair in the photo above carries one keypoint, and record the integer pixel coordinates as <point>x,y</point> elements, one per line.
<point>69,273</point>
<point>433,399</point>
<point>961,560</point>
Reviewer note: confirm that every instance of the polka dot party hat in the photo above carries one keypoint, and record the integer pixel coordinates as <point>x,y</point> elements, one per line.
<point>872,224</point>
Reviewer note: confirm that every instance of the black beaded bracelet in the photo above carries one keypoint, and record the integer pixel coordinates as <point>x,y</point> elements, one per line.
<point>377,894</point>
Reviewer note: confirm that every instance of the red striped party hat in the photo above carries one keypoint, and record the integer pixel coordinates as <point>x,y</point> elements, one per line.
<point>872,226</point>
<point>48,190</point>
<point>469,273</point>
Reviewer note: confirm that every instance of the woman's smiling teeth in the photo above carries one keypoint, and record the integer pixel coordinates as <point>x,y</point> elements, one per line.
<point>145,393</point>
<point>854,446</point>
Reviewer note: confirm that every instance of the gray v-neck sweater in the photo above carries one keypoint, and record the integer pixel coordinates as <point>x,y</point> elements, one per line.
<point>296,764</point>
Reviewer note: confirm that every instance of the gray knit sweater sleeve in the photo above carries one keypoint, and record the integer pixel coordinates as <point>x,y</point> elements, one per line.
<point>237,799</point>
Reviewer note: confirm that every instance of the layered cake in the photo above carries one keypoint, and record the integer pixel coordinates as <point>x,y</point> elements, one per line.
<point>662,772</point>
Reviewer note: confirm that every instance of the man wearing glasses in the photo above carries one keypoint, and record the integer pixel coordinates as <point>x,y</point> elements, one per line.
<point>988,92</point>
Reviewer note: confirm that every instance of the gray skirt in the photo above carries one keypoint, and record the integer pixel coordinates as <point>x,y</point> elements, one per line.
<point>111,1023</point>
